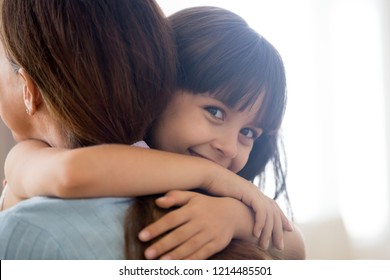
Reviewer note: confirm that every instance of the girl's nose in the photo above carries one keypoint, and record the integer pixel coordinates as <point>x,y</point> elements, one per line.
<point>227,145</point>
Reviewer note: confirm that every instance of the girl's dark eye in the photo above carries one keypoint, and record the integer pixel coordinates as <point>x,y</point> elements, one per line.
<point>249,133</point>
<point>216,112</point>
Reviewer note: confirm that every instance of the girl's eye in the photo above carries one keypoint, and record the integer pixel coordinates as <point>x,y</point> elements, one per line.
<point>216,112</point>
<point>249,133</point>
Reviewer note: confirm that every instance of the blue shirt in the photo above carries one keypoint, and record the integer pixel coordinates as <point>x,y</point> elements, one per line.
<point>51,228</point>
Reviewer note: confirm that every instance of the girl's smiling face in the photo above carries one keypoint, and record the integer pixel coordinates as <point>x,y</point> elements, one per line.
<point>200,125</point>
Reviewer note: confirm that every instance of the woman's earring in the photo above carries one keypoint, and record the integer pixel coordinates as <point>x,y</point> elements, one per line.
<point>28,111</point>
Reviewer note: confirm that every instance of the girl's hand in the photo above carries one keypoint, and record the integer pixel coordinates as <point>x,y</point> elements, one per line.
<point>203,226</point>
<point>270,220</point>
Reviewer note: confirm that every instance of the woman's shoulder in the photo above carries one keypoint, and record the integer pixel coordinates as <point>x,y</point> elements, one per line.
<point>58,228</point>
<point>36,207</point>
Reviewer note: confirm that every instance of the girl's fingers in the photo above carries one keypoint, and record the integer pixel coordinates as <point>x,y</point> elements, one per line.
<point>260,212</point>
<point>173,240</point>
<point>277,234</point>
<point>174,198</point>
<point>213,246</point>
<point>287,226</point>
<point>207,250</point>
<point>189,247</point>
<point>260,221</point>
<point>266,233</point>
<point>199,247</point>
<point>167,222</point>
<point>204,253</point>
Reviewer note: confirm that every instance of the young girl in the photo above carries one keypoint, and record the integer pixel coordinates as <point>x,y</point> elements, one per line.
<point>219,113</point>
<point>228,109</point>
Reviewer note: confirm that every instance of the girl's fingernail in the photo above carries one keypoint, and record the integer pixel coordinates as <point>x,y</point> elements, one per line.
<point>150,253</point>
<point>144,235</point>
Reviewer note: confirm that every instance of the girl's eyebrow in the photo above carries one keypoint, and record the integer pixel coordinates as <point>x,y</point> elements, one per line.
<point>258,123</point>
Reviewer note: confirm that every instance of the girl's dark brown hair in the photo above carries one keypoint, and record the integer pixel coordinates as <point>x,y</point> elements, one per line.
<point>221,55</point>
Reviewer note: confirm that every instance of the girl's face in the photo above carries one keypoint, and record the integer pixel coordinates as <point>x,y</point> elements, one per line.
<point>12,109</point>
<point>200,125</point>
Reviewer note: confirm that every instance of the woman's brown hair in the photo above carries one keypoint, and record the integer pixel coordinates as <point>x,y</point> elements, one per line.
<point>105,68</point>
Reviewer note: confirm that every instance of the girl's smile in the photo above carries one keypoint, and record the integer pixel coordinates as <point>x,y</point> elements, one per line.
<point>202,126</point>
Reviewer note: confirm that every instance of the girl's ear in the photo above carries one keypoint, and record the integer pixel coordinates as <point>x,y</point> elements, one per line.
<point>31,94</point>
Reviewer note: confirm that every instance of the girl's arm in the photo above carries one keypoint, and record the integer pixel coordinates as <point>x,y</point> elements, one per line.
<point>204,225</point>
<point>32,168</point>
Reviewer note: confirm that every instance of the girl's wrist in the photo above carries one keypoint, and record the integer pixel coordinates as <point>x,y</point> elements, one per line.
<point>223,182</point>
<point>244,221</point>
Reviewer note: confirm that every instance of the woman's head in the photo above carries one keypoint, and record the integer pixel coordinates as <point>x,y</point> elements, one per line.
<point>221,57</point>
<point>103,69</point>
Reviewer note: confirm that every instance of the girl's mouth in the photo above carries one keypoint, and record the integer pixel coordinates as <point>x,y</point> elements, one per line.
<point>195,154</point>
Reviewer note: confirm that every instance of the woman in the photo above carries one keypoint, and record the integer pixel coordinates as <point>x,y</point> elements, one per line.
<point>60,66</point>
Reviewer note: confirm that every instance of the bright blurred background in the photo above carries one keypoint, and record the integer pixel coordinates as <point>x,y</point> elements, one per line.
<point>337,124</point>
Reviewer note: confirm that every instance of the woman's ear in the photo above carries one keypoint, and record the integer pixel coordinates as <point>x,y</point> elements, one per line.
<point>31,94</point>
